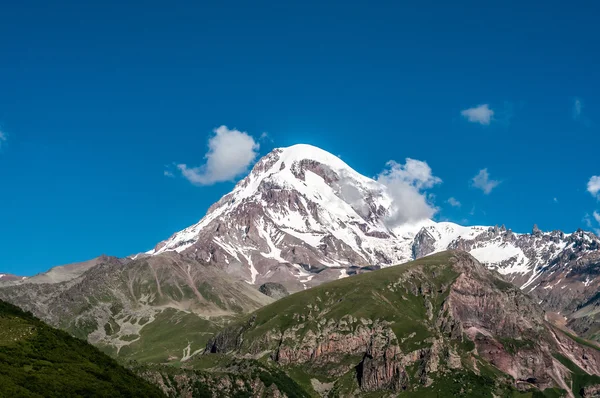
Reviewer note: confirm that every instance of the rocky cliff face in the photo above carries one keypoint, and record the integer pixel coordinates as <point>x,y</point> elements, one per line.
<point>559,270</point>
<point>423,244</point>
<point>235,379</point>
<point>406,327</point>
<point>274,290</point>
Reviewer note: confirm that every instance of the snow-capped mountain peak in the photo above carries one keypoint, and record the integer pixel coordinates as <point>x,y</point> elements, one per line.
<point>299,206</point>
<point>302,216</point>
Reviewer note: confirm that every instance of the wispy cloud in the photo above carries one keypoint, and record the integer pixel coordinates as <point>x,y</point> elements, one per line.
<point>577,112</point>
<point>168,173</point>
<point>453,202</point>
<point>555,200</point>
<point>230,153</point>
<point>577,108</point>
<point>406,184</point>
<point>593,186</point>
<point>3,138</point>
<point>505,114</point>
<point>481,114</point>
<point>483,181</point>
<point>593,222</point>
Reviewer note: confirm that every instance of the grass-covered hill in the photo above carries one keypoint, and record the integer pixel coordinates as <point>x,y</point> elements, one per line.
<point>37,360</point>
<point>443,325</point>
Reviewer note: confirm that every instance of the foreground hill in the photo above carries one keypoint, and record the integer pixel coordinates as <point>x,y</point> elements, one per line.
<point>39,361</point>
<point>443,325</point>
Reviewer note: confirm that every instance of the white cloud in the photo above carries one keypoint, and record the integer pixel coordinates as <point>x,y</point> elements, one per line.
<point>481,114</point>
<point>3,138</point>
<point>482,181</point>
<point>453,202</point>
<point>597,217</point>
<point>555,200</point>
<point>406,183</point>
<point>168,173</point>
<point>593,186</point>
<point>230,153</point>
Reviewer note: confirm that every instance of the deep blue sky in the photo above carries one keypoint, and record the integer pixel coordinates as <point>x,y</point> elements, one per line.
<point>96,97</point>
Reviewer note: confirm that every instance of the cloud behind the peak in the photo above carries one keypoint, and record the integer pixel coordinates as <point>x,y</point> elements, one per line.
<point>483,181</point>
<point>230,153</point>
<point>406,184</point>
<point>593,186</point>
<point>481,114</point>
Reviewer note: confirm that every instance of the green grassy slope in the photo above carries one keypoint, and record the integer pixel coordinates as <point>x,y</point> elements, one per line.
<point>374,295</point>
<point>37,360</point>
<point>409,299</point>
<point>167,339</point>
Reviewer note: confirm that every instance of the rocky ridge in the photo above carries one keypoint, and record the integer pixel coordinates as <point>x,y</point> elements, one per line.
<point>274,290</point>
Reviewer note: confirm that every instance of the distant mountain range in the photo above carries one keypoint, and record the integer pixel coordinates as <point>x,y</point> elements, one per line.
<point>301,218</point>
<point>10,278</point>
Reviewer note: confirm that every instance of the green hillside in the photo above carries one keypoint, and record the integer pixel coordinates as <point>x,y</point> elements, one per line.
<point>37,360</point>
<point>439,326</point>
